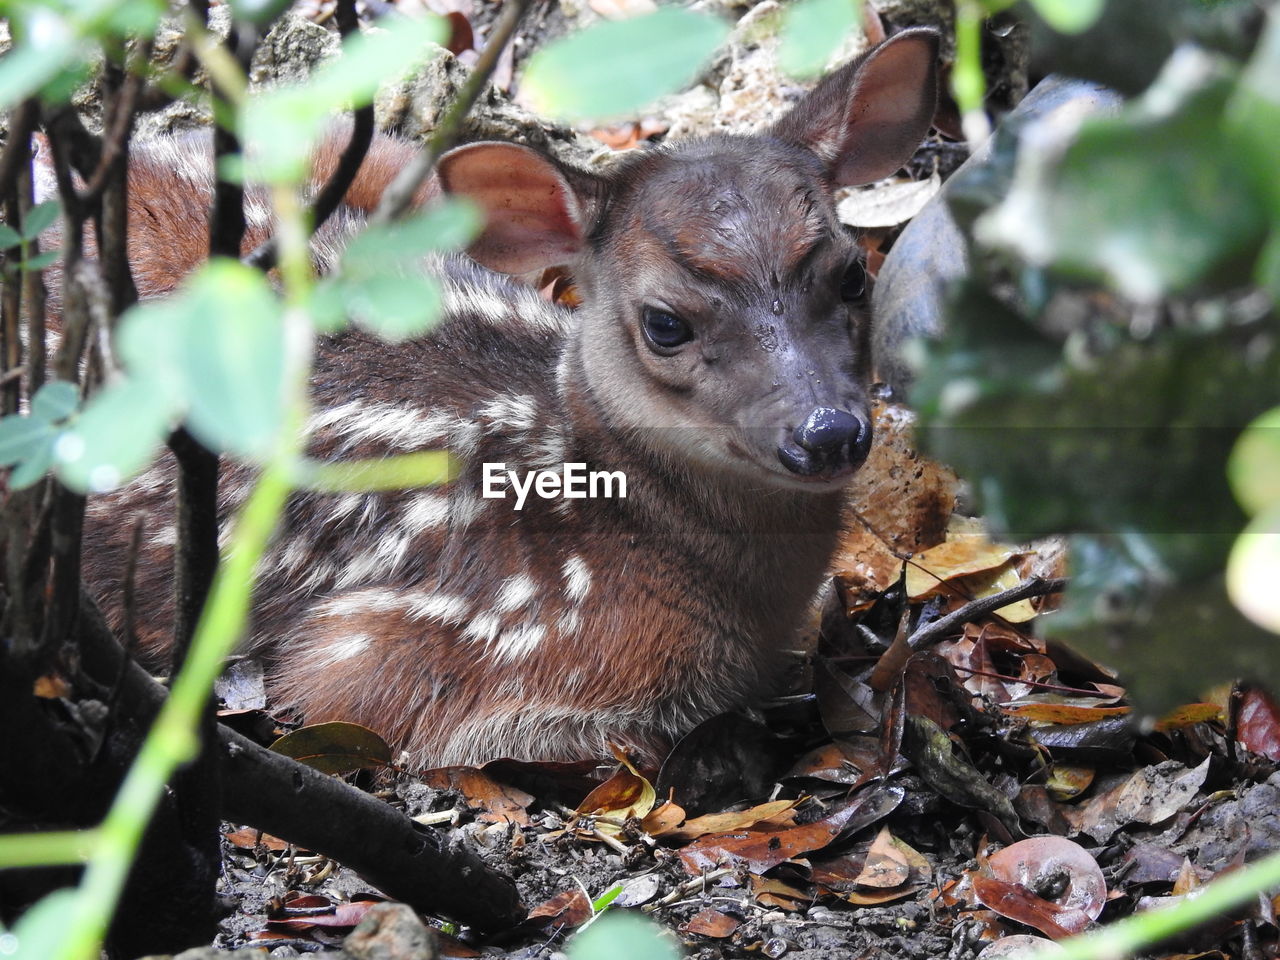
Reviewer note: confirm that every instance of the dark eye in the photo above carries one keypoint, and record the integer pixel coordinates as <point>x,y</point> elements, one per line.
<point>665,331</point>
<point>854,282</point>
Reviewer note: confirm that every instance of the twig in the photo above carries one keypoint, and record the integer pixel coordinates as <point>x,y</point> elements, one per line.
<point>397,198</point>
<point>1035,587</point>
<point>331,194</point>
<point>680,892</point>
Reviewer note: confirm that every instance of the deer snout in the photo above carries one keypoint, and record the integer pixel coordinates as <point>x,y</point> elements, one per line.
<point>830,442</point>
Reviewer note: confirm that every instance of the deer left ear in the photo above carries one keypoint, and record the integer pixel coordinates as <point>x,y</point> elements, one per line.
<point>536,210</point>
<point>865,120</point>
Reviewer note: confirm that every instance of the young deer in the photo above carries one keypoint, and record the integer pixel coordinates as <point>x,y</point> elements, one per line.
<point>718,362</point>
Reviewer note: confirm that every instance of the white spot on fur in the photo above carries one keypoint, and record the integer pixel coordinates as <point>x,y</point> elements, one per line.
<point>447,609</point>
<point>520,641</point>
<point>166,536</point>
<point>425,511</point>
<point>569,623</point>
<point>359,603</point>
<point>344,648</point>
<point>577,578</point>
<point>484,627</point>
<point>514,593</point>
<point>509,411</point>
<point>549,451</point>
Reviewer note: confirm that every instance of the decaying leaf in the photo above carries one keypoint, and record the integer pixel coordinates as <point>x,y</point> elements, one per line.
<point>711,923</point>
<point>335,747</point>
<point>570,908</point>
<point>1150,795</point>
<point>625,794</point>
<point>493,801</point>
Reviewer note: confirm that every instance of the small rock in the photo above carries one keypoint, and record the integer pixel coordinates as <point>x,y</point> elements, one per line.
<point>392,931</point>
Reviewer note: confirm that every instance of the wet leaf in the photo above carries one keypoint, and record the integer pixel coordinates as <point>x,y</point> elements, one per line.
<point>335,747</point>
<point>1150,796</point>
<point>1258,723</point>
<point>1064,886</point>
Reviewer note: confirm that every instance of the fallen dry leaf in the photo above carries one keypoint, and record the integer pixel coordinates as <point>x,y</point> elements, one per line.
<point>711,923</point>
<point>1150,795</point>
<point>761,849</point>
<point>776,813</point>
<point>570,908</point>
<point>625,794</point>
<point>885,865</point>
<point>493,801</point>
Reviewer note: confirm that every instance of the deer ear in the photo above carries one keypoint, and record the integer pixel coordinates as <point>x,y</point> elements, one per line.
<point>535,210</point>
<point>865,120</point>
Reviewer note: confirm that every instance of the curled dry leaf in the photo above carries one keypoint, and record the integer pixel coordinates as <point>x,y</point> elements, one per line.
<point>1050,883</point>
<point>625,794</point>
<point>885,866</point>
<point>886,204</point>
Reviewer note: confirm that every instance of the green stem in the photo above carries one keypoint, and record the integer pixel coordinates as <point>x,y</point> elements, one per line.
<point>44,849</point>
<point>172,741</point>
<point>968,85</point>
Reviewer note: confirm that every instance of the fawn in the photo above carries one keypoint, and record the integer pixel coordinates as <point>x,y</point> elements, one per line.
<point>718,364</point>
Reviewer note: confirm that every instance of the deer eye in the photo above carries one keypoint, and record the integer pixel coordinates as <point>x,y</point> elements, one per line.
<point>663,330</point>
<point>854,282</point>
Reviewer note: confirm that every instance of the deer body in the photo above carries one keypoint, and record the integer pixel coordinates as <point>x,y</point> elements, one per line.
<point>716,363</point>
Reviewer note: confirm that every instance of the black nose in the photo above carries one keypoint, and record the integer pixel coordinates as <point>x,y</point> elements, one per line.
<point>829,440</point>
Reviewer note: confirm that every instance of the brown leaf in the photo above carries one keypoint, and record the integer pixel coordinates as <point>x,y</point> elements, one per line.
<point>568,909</point>
<point>247,838</point>
<point>885,865</point>
<point>495,802</point>
<point>710,923</point>
<point>1188,714</point>
<point>625,794</point>
<point>1062,713</point>
<point>1258,723</point>
<point>51,686</point>
<point>761,849</point>
<point>771,892</point>
<point>1050,883</point>
<point>663,819</point>
<point>1150,796</point>
<point>775,813</point>
<point>341,915</point>
<point>967,550</point>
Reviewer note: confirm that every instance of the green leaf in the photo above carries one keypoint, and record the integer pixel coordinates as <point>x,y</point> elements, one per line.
<point>606,898</point>
<point>615,67</point>
<point>1069,16</point>
<point>35,466</point>
<point>218,350</point>
<point>55,401</point>
<point>1253,571</point>
<point>43,931</point>
<point>1254,467</point>
<point>1149,200</point>
<point>41,261</point>
<point>1253,118</point>
<point>44,49</point>
<point>281,127</point>
<point>21,437</point>
<point>9,237</point>
<point>395,307</point>
<point>116,435</point>
<point>449,225</point>
<point>811,33</point>
<point>39,218</point>
<point>622,936</point>
<point>335,747</point>
<point>258,11</point>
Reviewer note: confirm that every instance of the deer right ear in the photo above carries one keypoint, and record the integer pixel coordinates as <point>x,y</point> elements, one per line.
<point>534,216</point>
<point>866,119</point>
